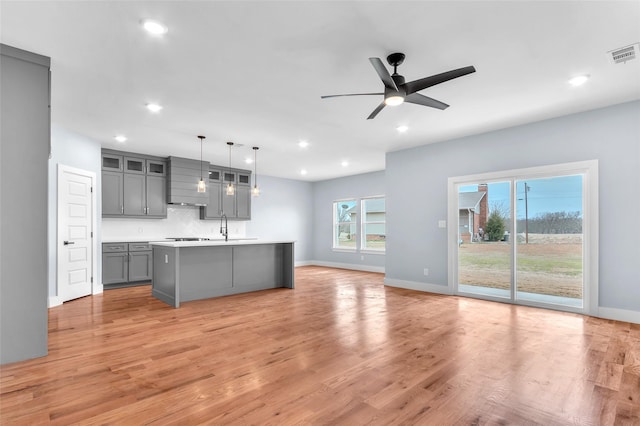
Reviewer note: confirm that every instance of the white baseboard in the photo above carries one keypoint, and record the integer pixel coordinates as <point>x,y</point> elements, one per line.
<point>352,266</point>
<point>54,301</point>
<point>415,285</point>
<point>97,289</point>
<point>303,263</point>
<point>619,314</point>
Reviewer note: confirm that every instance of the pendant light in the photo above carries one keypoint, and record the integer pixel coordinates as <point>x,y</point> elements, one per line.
<point>255,191</point>
<point>202,187</point>
<point>230,188</point>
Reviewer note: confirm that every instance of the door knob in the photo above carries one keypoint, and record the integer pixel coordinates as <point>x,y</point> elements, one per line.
<point>66,243</point>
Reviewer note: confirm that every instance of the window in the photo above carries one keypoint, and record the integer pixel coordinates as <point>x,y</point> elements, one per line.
<point>373,224</point>
<point>344,224</point>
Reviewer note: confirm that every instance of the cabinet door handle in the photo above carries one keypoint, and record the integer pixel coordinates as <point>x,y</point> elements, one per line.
<point>66,243</point>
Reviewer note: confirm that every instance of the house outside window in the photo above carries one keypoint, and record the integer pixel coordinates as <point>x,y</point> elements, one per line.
<point>345,215</point>
<point>373,224</point>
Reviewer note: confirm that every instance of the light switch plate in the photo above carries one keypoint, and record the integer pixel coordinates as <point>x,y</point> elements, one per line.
<point>442,224</point>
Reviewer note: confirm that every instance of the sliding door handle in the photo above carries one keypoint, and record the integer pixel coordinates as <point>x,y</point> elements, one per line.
<point>66,243</point>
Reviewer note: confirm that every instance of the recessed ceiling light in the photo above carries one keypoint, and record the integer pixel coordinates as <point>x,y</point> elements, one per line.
<point>303,172</point>
<point>154,27</point>
<point>303,144</point>
<point>345,163</point>
<point>154,107</point>
<point>402,129</point>
<point>248,160</point>
<point>579,80</point>
<point>120,138</point>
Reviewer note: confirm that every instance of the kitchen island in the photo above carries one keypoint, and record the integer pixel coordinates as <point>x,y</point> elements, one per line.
<point>193,270</point>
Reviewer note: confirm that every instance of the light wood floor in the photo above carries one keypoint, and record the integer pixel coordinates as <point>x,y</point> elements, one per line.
<point>340,349</point>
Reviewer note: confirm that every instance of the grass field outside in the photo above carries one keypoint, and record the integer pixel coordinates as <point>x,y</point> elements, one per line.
<point>550,264</point>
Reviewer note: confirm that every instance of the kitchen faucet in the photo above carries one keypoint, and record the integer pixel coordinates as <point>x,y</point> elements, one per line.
<point>224,230</point>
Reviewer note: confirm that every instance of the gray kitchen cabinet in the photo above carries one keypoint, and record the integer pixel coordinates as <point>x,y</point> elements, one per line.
<point>213,209</point>
<point>243,202</point>
<point>134,165</point>
<point>236,206</point>
<point>138,189</point>
<point>228,203</point>
<point>115,268</point>
<point>140,262</point>
<point>135,202</point>
<point>112,162</point>
<point>156,196</point>
<point>25,132</point>
<point>156,168</point>
<point>112,193</point>
<point>126,264</point>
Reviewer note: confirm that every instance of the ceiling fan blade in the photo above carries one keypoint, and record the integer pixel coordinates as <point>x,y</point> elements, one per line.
<point>423,83</point>
<point>383,73</point>
<point>376,111</point>
<point>350,94</point>
<point>417,98</point>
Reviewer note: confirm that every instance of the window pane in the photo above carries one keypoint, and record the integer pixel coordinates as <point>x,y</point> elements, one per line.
<point>484,246</point>
<point>374,236</point>
<point>549,240</point>
<point>345,231</point>
<point>373,224</point>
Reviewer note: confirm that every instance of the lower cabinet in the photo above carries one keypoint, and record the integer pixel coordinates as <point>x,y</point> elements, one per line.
<point>126,264</point>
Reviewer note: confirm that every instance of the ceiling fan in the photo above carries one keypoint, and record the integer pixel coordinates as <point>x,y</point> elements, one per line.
<point>396,91</point>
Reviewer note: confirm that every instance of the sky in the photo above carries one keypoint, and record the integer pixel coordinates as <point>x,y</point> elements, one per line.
<point>556,194</point>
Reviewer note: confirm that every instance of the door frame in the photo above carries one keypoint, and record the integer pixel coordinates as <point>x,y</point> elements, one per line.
<point>96,286</point>
<point>590,223</point>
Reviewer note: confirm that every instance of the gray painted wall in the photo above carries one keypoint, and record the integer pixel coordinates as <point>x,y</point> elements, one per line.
<point>73,150</point>
<point>284,211</point>
<point>24,148</point>
<point>325,193</point>
<point>419,199</point>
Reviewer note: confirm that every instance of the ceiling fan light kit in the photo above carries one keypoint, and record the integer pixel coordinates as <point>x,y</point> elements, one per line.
<point>397,91</point>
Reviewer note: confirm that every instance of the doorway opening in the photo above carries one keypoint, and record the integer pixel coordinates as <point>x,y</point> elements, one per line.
<point>527,236</point>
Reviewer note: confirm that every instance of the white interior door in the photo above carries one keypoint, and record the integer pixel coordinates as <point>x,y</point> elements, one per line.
<point>75,233</point>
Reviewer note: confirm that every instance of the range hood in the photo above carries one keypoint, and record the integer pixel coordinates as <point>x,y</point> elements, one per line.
<point>183,175</point>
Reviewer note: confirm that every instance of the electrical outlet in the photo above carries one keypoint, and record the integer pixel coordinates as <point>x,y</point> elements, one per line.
<point>426,271</point>
<point>361,257</point>
<point>140,230</point>
<point>442,224</point>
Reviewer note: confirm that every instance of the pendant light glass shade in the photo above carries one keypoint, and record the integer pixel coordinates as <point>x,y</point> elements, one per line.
<point>202,187</point>
<point>255,191</point>
<point>230,188</point>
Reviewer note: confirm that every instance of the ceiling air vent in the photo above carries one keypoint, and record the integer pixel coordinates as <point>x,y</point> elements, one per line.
<point>624,54</point>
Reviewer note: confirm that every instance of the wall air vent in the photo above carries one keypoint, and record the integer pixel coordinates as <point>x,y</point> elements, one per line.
<point>624,54</point>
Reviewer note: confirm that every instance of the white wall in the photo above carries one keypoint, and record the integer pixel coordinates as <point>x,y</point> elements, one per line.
<point>73,150</point>
<point>419,199</point>
<point>181,221</point>
<point>325,193</point>
<point>284,211</point>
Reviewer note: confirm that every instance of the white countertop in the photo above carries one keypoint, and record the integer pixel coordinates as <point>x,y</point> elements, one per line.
<point>211,243</point>
<point>161,239</point>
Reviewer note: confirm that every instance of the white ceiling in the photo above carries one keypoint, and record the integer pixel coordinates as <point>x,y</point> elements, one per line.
<point>253,72</point>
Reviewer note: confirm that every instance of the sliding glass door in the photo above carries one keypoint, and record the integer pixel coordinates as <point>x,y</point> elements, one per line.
<point>549,245</point>
<point>521,239</point>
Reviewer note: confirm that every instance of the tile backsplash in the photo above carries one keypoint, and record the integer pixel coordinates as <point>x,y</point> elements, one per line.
<point>181,221</point>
